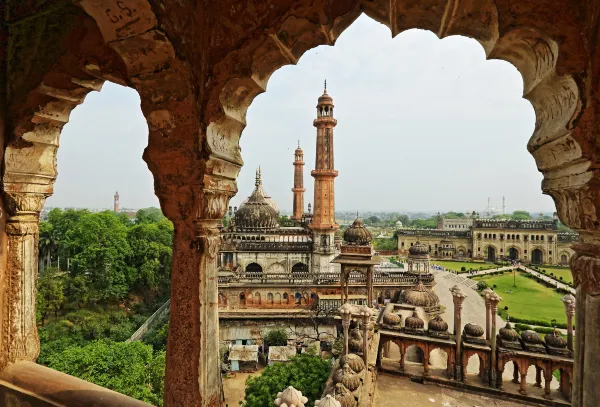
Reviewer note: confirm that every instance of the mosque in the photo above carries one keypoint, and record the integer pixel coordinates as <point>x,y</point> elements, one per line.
<point>272,269</point>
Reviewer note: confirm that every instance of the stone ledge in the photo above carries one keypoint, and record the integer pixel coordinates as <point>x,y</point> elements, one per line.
<point>33,385</point>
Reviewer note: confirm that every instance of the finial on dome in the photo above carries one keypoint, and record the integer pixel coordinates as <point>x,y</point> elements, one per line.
<point>298,143</point>
<point>356,214</point>
<point>325,91</point>
<point>258,177</point>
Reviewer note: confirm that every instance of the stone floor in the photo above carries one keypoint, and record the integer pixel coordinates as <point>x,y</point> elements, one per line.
<point>395,391</point>
<point>234,387</point>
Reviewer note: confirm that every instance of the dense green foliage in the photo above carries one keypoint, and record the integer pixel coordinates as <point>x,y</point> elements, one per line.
<point>127,367</point>
<point>385,244</point>
<point>305,372</point>
<point>276,337</point>
<point>101,276</point>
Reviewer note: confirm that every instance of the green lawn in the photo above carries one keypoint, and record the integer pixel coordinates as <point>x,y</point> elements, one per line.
<point>457,265</point>
<point>529,300</point>
<point>565,273</point>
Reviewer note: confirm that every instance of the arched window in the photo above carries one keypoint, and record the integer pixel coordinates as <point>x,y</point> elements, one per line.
<point>257,298</point>
<point>286,299</point>
<point>298,298</point>
<point>242,299</point>
<point>250,299</point>
<point>270,298</point>
<point>299,268</point>
<point>277,299</point>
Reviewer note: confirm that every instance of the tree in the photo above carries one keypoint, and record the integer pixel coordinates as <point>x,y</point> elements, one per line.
<point>374,219</point>
<point>276,337</point>
<point>521,215</point>
<point>126,367</point>
<point>305,372</point>
<point>148,215</point>
<point>50,293</point>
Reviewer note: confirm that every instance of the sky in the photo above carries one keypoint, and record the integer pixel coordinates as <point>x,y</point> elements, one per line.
<point>423,125</point>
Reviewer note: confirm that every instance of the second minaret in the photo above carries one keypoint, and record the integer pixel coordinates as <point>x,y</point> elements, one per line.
<point>298,189</point>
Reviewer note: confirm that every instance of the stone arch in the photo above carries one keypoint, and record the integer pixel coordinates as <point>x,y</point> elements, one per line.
<point>277,299</point>
<point>538,255</point>
<point>438,358</point>
<point>513,253</point>
<point>491,253</point>
<point>276,268</point>
<point>564,257</point>
<point>270,299</point>
<point>242,298</point>
<point>257,299</point>
<point>299,268</point>
<point>254,268</point>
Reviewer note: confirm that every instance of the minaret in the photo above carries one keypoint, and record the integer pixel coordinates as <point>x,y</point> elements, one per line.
<point>298,189</point>
<point>116,202</point>
<point>323,222</point>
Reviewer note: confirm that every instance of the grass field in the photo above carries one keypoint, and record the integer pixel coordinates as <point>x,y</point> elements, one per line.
<point>565,273</point>
<point>529,300</point>
<point>457,265</point>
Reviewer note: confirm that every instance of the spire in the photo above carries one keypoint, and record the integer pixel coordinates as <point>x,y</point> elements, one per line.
<point>258,181</point>
<point>325,90</point>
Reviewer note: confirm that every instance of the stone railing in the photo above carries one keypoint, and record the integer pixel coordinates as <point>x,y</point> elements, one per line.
<point>151,322</point>
<point>379,277</point>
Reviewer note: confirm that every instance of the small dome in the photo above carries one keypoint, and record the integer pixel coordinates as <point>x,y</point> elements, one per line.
<point>473,330</point>
<point>531,337</point>
<point>357,234</point>
<point>325,98</point>
<point>355,362</point>
<point>420,296</point>
<point>418,249</point>
<point>347,377</point>
<point>437,324</point>
<point>508,333</point>
<point>257,212</point>
<point>328,401</point>
<point>356,334</point>
<point>290,397</point>
<point>344,396</point>
<point>414,322</point>
<point>556,340</point>
<point>392,319</point>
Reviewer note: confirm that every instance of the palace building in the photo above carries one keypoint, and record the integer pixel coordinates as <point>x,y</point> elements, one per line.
<point>529,241</point>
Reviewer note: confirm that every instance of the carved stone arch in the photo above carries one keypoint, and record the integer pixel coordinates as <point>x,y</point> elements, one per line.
<point>276,268</point>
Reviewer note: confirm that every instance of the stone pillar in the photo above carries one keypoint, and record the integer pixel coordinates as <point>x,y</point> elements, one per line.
<point>547,382</point>
<point>19,339</point>
<point>486,293</point>
<point>370,286</point>
<point>346,313</point>
<point>585,265</point>
<point>515,373</point>
<point>523,387</point>
<point>365,314</point>
<point>458,297</point>
<point>494,299</point>
<point>569,302</point>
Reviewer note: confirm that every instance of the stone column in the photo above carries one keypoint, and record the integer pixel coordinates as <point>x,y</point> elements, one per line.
<point>19,339</point>
<point>346,313</point>
<point>547,382</point>
<point>585,265</point>
<point>365,314</point>
<point>515,373</point>
<point>494,299</point>
<point>486,293</point>
<point>370,286</point>
<point>523,387</point>
<point>569,302</point>
<point>458,297</point>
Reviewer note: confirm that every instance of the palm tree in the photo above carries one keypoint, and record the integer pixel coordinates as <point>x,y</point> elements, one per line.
<point>47,245</point>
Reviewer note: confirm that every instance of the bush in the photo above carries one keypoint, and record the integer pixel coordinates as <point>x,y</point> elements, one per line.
<point>481,285</point>
<point>522,327</point>
<point>495,286</point>
<point>276,337</point>
<point>560,278</point>
<point>506,308</point>
<point>463,268</point>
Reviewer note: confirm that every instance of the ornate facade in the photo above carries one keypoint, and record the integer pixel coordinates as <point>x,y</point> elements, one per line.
<point>530,241</point>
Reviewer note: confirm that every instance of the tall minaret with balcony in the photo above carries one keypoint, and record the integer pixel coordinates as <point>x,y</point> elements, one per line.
<point>298,189</point>
<point>116,202</point>
<point>323,222</point>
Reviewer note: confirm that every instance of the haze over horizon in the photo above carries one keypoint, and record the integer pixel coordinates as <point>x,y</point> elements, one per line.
<point>424,125</point>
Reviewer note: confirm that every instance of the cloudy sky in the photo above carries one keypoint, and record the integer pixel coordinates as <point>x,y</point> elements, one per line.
<point>423,125</point>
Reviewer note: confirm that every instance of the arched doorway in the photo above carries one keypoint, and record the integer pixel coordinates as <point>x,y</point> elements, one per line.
<point>299,268</point>
<point>254,268</point>
<point>513,253</point>
<point>491,253</point>
<point>537,257</point>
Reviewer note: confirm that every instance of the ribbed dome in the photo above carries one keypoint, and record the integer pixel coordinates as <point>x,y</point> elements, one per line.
<point>328,401</point>
<point>357,234</point>
<point>325,98</point>
<point>355,362</point>
<point>392,319</point>
<point>531,337</point>
<point>419,296</point>
<point>437,324</point>
<point>257,212</point>
<point>473,330</point>
<point>347,377</point>
<point>414,322</point>
<point>508,333</point>
<point>556,340</point>
<point>418,249</point>
<point>344,396</point>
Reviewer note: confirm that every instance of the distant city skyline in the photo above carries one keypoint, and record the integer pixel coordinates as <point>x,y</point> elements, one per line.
<point>423,124</point>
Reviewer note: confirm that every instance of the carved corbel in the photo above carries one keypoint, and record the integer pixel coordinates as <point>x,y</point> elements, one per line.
<point>23,210</point>
<point>585,265</point>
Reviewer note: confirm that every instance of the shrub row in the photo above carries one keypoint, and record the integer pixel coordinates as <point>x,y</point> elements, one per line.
<point>521,321</point>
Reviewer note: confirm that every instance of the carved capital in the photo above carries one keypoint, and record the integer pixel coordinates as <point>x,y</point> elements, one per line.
<point>208,237</point>
<point>585,265</point>
<point>214,203</point>
<point>24,203</point>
